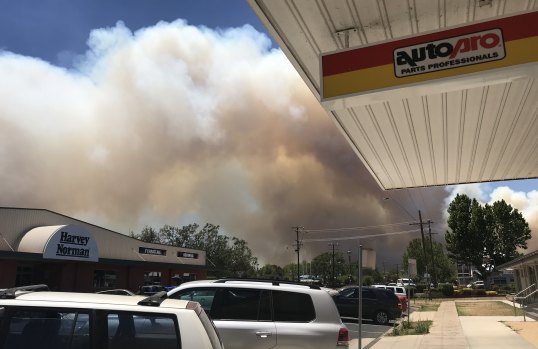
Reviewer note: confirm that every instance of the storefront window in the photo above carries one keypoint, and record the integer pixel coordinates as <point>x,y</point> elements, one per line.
<point>104,278</point>
<point>24,275</point>
<point>152,278</point>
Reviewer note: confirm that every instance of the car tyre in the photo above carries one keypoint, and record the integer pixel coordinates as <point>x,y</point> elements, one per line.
<point>381,317</point>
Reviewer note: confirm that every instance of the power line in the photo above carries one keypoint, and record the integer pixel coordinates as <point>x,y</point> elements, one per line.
<point>362,236</point>
<point>356,228</point>
<point>412,200</point>
<point>402,207</point>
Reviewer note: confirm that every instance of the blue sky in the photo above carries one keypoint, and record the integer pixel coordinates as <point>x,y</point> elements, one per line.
<point>48,28</point>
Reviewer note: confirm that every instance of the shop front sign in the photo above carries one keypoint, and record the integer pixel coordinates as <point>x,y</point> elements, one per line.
<point>481,47</point>
<point>152,251</point>
<point>71,242</point>
<point>187,255</point>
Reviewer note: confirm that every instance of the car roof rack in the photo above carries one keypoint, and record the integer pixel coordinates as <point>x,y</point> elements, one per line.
<point>273,282</point>
<point>11,293</point>
<point>154,300</point>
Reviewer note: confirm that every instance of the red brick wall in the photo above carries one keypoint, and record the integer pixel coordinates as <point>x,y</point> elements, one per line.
<point>78,276</point>
<point>8,272</point>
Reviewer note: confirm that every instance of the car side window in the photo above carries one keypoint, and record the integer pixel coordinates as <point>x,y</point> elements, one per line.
<point>293,307</point>
<point>400,290</point>
<point>47,328</point>
<point>350,293</point>
<point>204,296</point>
<point>366,293</point>
<point>239,304</point>
<point>138,330</point>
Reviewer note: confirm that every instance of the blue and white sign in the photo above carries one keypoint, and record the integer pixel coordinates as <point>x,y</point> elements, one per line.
<point>71,242</point>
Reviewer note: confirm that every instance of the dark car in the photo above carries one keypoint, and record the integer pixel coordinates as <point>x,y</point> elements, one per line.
<point>377,304</point>
<point>150,290</point>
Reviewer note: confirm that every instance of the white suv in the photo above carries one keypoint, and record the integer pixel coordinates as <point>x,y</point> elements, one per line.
<point>261,314</point>
<point>57,320</point>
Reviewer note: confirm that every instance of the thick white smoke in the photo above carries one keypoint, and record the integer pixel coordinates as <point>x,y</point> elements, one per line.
<point>176,124</point>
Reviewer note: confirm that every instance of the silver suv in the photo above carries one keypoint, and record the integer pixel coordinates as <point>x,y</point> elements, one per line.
<point>58,320</point>
<point>261,314</point>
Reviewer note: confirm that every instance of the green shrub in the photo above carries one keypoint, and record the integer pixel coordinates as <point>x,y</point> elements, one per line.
<point>422,327</point>
<point>413,328</point>
<point>457,293</point>
<point>478,292</point>
<point>436,294</point>
<point>491,293</point>
<point>421,288</point>
<point>367,280</point>
<point>466,291</point>
<point>396,330</point>
<point>446,289</point>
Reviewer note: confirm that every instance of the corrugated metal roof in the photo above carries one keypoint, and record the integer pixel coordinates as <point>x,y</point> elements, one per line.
<point>471,129</point>
<point>529,257</point>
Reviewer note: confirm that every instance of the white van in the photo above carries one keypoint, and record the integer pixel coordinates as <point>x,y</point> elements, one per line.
<point>405,282</point>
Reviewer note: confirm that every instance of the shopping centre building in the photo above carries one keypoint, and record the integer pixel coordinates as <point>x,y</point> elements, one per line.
<point>41,246</point>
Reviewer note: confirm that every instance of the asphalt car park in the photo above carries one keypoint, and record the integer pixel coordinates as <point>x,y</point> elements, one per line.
<point>369,330</point>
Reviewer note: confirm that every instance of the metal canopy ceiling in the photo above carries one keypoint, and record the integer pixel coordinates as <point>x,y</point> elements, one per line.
<point>459,131</point>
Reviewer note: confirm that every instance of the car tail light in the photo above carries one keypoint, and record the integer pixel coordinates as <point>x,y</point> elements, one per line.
<point>343,337</point>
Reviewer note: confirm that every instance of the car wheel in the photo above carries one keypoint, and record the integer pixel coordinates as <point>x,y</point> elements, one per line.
<point>381,317</point>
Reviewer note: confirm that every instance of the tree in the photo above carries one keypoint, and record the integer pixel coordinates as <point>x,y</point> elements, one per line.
<point>271,271</point>
<point>414,250</point>
<point>485,236</point>
<point>445,269</point>
<point>149,235</point>
<point>322,266</point>
<point>290,272</point>
<point>226,256</point>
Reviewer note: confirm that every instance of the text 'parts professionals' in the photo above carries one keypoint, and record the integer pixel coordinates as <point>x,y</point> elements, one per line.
<point>459,51</point>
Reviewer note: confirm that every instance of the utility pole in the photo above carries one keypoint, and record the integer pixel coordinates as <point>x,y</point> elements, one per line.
<point>332,276</point>
<point>431,251</point>
<point>423,245</point>
<point>297,249</point>
<point>349,264</point>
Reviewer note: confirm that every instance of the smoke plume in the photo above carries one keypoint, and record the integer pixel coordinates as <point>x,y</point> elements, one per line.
<point>177,124</point>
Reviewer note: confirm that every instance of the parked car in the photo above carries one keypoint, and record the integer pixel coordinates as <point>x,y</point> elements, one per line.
<point>399,291</point>
<point>377,304</point>
<point>258,314</point>
<point>405,282</point>
<point>476,284</point>
<point>51,320</point>
<point>149,290</point>
<point>119,292</point>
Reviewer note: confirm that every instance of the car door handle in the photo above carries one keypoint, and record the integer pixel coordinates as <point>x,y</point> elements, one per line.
<point>263,334</point>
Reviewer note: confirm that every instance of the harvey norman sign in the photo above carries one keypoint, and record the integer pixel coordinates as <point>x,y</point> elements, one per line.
<point>495,44</point>
<point>71,242</point>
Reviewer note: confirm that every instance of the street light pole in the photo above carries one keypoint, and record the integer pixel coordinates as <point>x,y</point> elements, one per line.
<point>360,294</point>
